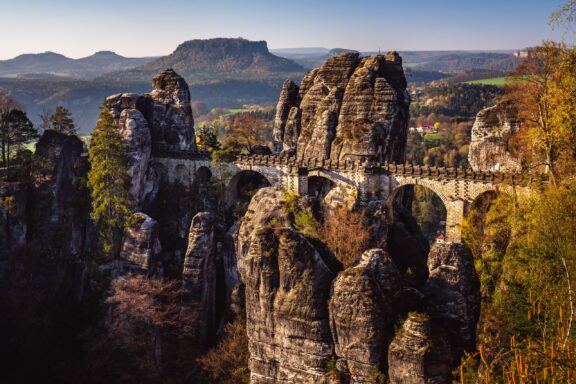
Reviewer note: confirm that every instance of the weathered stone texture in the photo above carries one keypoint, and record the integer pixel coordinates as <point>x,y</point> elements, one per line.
<point>349,107</point>
<point>141,246</point>
<point>419,354</point>
<point>134,130</point>
<point>288,99</point>
<point>361,315</point>
<point>489,145</point>
<point>452,294</point>
<point>199,278</point>
<point>287,291</point>
<point>59,203</point>
<point>171,119</point>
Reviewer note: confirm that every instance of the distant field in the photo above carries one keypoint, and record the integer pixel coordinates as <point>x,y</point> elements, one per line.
<point>497,81</point>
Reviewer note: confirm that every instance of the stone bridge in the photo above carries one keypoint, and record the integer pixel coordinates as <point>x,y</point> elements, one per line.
<point>362,180</point>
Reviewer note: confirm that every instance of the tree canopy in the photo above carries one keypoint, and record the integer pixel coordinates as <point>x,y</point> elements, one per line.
<point>109,182</point>
<point>61,121</point>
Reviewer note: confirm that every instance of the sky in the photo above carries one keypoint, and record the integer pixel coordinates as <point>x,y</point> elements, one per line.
<point>78,28</point>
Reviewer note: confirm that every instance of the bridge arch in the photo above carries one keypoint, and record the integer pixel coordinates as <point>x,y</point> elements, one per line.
<point>243,185</point>
<point>428,208</point>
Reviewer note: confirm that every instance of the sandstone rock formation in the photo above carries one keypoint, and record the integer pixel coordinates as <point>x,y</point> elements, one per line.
<point>199,278</point>
<point>265,207</point>
<point>287,287</point>
<point>348,108</point>
<point>141,245</point>
<point>452,294</point>
<point>417,356</point>
<point>166,110</point>
<point>489,145</point>
<point>158,121</point>
<point>135,131</point>
<point>287,291</point>
<point>361,315</point>
<point>288,99</point>
<point>59,204</point>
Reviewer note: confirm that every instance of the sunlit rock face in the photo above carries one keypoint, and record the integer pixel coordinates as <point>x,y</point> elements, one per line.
<point>348,108</point>
<point>489,146</point>
<point>154,122</point>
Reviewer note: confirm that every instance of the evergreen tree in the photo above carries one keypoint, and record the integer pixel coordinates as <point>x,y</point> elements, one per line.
<point>109,182</point>
<point>15,129</point>
<point>61,121</point>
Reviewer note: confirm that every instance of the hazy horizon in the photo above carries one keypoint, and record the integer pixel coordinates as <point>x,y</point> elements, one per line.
<point>147,28</point>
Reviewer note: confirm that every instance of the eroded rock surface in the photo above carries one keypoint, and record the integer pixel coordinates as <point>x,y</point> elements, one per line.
<point>141,245</point>
<point>489,145</point>
<point>287,291</point>
<point>350,107</point>
<point>362,317</point>
<point>199,278</point>
<point>419,354</point>
<point>158,121</point>
<point>452,294</point>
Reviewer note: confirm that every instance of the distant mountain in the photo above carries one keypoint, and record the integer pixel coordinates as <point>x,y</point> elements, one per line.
<point>220,58</point>
<point>53,65</point>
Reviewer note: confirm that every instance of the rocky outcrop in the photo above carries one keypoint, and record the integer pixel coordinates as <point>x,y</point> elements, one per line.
<point>417,355</point>
<point>361,315</point>
<point>288,100</point>
<point>169,112</point>
<point>136,133</point>
<point>199,278</point>
<point>141,245</point>
<point>287,291</point>
<point>489,145</point>
<point>59,202</point>
<point>266,207</point>
<point>348,108</point>
<point>166,111</point>
<point>452,294</point>
<point>287,288</point>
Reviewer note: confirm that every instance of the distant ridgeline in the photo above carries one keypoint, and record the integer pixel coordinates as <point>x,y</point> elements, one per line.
<point>221,72</point>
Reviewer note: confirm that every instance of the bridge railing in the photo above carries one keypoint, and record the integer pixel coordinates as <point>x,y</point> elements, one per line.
<point>364,165</point>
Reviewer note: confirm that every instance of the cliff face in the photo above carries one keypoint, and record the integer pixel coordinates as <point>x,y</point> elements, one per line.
<point>489,145</point>
<point>309,321</point>
<point>165,112</point>
<point>349,107</point>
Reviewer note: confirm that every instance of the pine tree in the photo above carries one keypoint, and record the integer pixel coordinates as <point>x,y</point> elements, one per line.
<point>15,129</point>
<point>61,121</point>
<point>109,182</point>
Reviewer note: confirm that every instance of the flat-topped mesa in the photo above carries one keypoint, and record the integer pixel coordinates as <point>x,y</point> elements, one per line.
<point>166,111</point>
<point>351,107</point>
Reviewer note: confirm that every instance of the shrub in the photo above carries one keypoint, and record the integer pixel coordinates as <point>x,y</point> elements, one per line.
<point>346,234</point>
<point>227,363</point>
